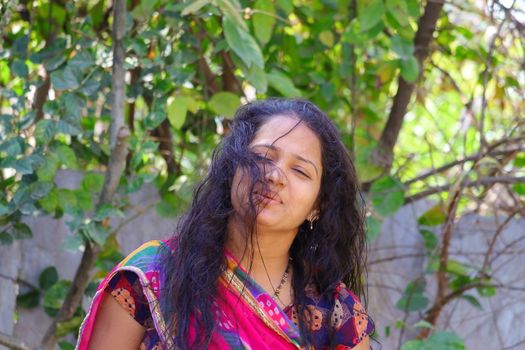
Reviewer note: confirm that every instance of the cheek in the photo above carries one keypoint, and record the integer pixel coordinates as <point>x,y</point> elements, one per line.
<point>239,190</point>
<point>308,196</point>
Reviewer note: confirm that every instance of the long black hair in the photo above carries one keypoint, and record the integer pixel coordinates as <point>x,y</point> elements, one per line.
<point>333,252</point>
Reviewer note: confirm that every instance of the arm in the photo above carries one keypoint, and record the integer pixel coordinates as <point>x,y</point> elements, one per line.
<point>363,345</point>
<point>114,328</point>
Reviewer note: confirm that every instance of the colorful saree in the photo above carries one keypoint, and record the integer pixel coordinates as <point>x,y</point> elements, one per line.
<point>246,316</point>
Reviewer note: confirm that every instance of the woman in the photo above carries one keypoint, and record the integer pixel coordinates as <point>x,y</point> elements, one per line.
<point>267,256</point>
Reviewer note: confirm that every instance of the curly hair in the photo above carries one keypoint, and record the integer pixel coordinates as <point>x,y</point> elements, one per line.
<point>334,252</point>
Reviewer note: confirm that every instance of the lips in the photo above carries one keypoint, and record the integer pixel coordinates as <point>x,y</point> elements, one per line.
<point>268,197</point>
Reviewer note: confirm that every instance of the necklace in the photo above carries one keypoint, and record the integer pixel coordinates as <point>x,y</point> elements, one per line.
<point>277,290</point>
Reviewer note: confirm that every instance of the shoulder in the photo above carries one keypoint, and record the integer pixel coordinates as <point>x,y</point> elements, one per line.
<point>145,255</point>
<point>350,319</point>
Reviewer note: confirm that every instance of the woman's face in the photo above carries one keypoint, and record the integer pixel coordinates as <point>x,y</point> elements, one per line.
<point>291,161</point>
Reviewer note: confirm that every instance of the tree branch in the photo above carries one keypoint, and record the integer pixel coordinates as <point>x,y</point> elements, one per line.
<point>119,134</point>
<point>12,343</point>
<point>41,96</point>
<point>491,151</point>
<point>486,72</point>
<point>426,27</point>
<point>467,183</point>
<point>229,81</point>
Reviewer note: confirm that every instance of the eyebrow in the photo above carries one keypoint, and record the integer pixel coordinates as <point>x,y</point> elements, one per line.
<point>274,148</point>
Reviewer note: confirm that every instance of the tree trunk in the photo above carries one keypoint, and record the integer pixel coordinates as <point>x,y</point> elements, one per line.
<point>390,134</point>
<point>119,133</point>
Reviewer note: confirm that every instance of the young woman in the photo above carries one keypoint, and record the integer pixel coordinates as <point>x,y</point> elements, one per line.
<point>269,255</point>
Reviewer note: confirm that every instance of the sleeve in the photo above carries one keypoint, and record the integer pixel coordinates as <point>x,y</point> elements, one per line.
<point>350,319</point>
<point>125,288</point>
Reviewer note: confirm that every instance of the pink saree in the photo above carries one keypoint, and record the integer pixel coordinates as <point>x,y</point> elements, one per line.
<point>246,316</point>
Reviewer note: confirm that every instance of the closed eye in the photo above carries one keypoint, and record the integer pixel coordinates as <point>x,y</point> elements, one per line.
<point>263,157</point>
<point>301,172</point>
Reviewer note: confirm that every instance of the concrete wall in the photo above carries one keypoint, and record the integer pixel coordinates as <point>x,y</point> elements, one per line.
<point>500,324</point>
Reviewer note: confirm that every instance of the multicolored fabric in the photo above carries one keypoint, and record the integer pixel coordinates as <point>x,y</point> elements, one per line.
<point>247,316</point>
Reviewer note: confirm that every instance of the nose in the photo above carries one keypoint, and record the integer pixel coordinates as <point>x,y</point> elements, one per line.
<point>274,175</point>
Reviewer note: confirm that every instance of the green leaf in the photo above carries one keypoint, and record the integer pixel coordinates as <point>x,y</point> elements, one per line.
<point>107,211</point>
<point>413,8</point>
<point>45,131</point>
<point>169,206</point>
<point>256,77</point>
<point>519,161</point>
<point>242,43</point>
<point>472,301</point>
<point>70,326</point>
<point>3,209</point>
<point>414,345</point>
<point>194,7</point>
<point>50,202</point>
<point>371,14</point>
<point>48,170</point>
<point>81,61</point>
<point>409,69</point>
<point>423,324</point>
<point>5,238</point>
<point>367,170</point>
<point>64,345</point>
<point>445,341</point>
<point>282,83</point>
<point>92,182</point>
<point>21,231</point>
<point>84,200</point>
<point>96,232</point>
<point>73,243</point>
<point>432,217</point>
<point>519,188</point>
<point>67,200</point>
<point>40,189</point>
<point>387,195</point>
<point>457,282</point>
<point>457,268</point>
<point>67,78</point>
<point>487,291</point>
<point>413,298</point>
<point>12,146</point>
<point>48,277</point>
<point>67,156</point>
<point>177,110</point>
<point>232,10</point>
<point>154,118</point>
<point>353,34</point>
<point>28,300</point>
<point>374,228</point>
<point>19,68</point>
<point>398,10</point>
<point>20,45</point>
<point>326,37</point>
<point>23,166</point>
<point>263,20</point>
<point>430,240</point>
<point>56,294</point>
<point>224,103</point>
<point>144,10</point>
<point>66,128</point>
<point>402,47</point>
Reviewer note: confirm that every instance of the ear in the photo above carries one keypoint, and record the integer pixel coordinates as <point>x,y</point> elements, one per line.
<point>314,215</point>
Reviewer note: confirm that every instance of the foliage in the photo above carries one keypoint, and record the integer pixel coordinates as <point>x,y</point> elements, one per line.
<point>191,64</point>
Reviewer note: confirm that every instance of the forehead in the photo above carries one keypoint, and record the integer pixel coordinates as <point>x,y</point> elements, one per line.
<point>291,135</point>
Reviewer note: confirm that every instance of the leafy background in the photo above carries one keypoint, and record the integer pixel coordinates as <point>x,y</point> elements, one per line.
<point>429,98</point>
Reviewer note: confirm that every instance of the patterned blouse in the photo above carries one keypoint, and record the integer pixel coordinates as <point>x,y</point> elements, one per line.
<point>349,317</point>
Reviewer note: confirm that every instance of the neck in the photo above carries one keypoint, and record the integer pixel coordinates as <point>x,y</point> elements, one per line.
<point>267,252</point>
